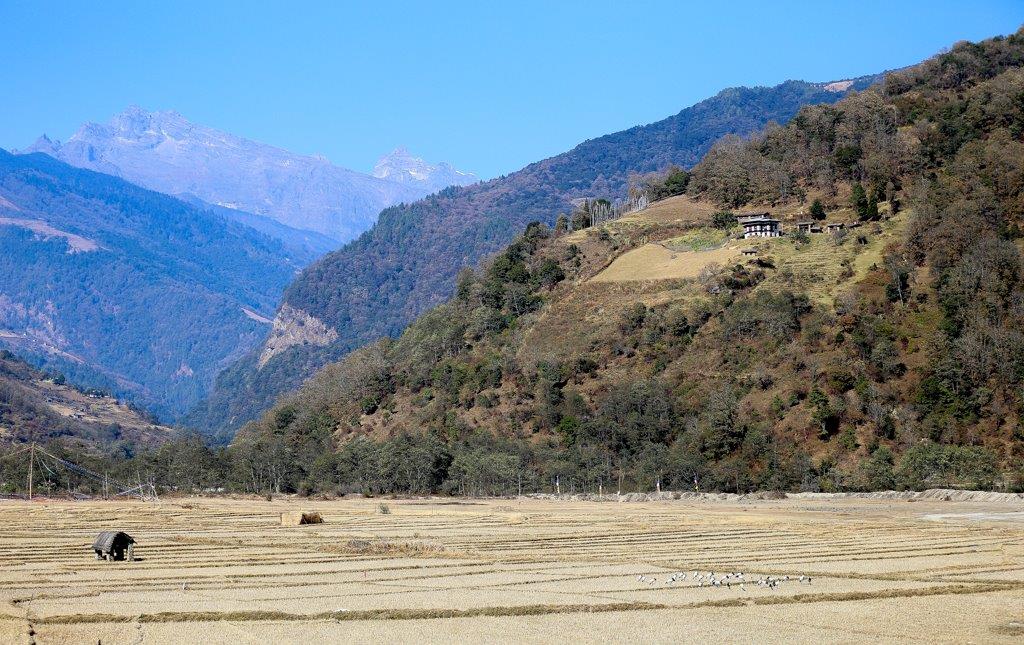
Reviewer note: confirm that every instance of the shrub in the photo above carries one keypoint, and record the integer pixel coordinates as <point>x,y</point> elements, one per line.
<point>723,220</point>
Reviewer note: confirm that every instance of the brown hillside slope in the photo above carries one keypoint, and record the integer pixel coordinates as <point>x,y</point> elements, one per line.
<point>890,354</point>
<point>37,407</point>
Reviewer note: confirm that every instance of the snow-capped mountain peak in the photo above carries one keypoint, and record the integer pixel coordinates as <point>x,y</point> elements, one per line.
<point>401,166</point>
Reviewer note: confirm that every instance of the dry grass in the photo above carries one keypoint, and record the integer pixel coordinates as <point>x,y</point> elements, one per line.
<point>817,267</point>
<point>436,571</point>
<point>658,262</point>
<point>674,211</point>
<point>590,313</point>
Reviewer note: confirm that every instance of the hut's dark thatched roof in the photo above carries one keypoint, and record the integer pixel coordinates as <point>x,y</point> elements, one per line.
<point>107,539</point>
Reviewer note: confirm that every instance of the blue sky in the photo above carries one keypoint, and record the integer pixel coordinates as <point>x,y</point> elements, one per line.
<point>489,86</point>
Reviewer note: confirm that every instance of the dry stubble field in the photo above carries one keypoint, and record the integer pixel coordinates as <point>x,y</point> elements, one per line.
<point>223,571</point>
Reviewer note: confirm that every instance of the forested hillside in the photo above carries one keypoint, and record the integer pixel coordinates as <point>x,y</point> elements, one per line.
<point>886,353</point>
<point>658,349</point>
<point>408,261</point>
<point>126,289</point>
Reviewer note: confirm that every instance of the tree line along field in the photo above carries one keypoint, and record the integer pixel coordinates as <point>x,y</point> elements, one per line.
<point>534,570</point>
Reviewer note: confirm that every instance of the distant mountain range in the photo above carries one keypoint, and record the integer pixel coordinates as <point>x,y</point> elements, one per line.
<point>127,289</point>
<point>165,152</point>
<point>149,295</point>
<point>409,260</point>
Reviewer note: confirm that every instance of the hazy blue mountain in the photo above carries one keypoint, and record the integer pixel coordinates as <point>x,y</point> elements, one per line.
<point>128,289</point>
<point>401,166</point>
<point>302,245</point>
<point>408,261</point>
<point>164,151</point>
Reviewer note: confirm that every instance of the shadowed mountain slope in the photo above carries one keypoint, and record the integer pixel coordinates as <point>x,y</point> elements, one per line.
<point>127,289</point>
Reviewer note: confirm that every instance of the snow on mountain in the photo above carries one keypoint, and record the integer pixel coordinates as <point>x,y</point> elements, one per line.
<point>164,151</point>
<point>402,167</point>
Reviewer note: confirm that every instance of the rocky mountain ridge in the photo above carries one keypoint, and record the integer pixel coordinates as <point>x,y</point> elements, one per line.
<point>401,166</point>
<point>164,151</point>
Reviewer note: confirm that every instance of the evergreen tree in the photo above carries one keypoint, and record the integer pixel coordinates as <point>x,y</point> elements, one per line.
<point>859,201</point>
<point>871,212</point>
<point>561,224</point>
<point>818,210</point>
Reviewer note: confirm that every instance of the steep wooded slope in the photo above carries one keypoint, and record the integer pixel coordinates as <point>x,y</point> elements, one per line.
<point>887,354</point>
<point>408,261</point>
<point>127,289</point>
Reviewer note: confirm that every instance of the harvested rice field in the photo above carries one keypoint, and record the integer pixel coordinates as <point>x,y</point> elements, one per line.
<point>523,570</point>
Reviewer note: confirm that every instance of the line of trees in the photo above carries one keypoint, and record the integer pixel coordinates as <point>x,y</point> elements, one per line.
<point>626,457</point>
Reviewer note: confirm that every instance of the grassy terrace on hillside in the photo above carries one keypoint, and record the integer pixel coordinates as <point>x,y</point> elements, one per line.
<point>822,267</point>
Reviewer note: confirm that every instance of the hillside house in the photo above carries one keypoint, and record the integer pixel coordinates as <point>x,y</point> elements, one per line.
<point>762,225</point>
<point>808,227</point>
<point>833,227</point>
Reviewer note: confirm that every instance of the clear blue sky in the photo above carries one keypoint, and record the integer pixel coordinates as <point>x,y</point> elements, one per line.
<point>489,86</point>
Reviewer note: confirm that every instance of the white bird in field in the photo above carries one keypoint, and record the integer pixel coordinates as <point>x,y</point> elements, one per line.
<point>742,588</point>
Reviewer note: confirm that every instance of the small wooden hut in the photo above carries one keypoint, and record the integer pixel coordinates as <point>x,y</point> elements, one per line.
<point>808,227</point>
<point>114,545</point>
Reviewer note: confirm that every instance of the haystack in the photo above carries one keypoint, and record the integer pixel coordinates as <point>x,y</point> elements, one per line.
<point>298,518</point>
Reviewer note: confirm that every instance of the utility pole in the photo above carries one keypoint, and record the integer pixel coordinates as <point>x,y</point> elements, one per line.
<point>31,466</point>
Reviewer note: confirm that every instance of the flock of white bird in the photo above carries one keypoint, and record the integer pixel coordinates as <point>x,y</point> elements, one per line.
<point>727,581</point>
